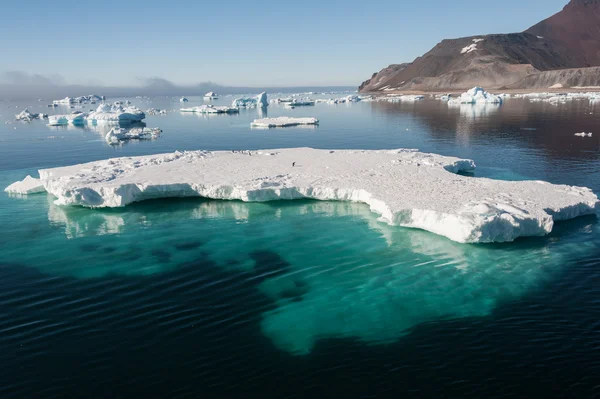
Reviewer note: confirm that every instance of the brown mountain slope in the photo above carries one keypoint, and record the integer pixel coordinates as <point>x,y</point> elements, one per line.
<point>568,39</point>
<point>561,78</point>
<point>576,31</point>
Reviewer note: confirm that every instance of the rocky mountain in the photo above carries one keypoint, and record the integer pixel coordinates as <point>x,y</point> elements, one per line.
<point>568,39</point>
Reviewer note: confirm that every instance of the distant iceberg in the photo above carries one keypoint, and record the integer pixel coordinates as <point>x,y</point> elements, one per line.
<point>211,109</point>
<point>183,100</point>
<point>476,96</point>
<point>118,135</point>
<point>115,113</point>
<point>283,121</point>
<point>27,116</point>
<point>251,102</point>
<point>211,96</point>
<point>405,187</point>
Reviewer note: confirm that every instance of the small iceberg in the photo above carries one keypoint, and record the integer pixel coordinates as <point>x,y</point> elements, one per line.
<point>583,134</point>
<point>27,116</point>
<point>119,135</point>
<point>29,185</point>
<point>211,109</point>
<point>183,100</point>
<point>250,102</point>
<point>211,96</point>
<point>156,111</point>
<point>283,121</point>
<point>476,96</point>
<point>115,114</point>
<point>76,118</point>
<point>299,103</point>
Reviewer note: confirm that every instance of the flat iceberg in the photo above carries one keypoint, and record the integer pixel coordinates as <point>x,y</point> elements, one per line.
<point>284,121</point>
<point>118,135</point>
<point>211,109</point>
<point>211,96</point>
<point>29,185</point>
<point>407,188</point>
<point>476,96</point>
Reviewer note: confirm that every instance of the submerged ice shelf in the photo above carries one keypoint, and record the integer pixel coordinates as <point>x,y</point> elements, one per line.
<point>407,188</point>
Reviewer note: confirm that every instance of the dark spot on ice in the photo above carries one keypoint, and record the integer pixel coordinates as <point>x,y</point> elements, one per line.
<point>188,246</point>
<point>161,255</point>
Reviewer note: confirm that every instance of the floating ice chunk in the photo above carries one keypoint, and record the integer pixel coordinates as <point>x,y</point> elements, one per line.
<point>66,100</point>
<point>183,100</point>
<point>250,102</point>
<point>27,116</point>
<point>284,121</point>
<point>156,111</point>
<point>583,134</point>
<point>116,114</point>
<point>211,96</point>
<point>299,103</point>
<point>476,96</point>
<point>77,119</point>
<point>211,109</point>
<point>29,185</point>
<point>407,188</point>
<point>261,100</point>
<point>118,135</point>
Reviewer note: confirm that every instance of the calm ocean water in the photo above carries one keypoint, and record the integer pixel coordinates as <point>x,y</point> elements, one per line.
<point>189,298</point>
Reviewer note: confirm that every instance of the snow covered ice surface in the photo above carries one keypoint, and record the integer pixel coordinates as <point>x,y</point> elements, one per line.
<point>283,121</point>
<point>405,187</point>
<point>476,95</point>
<point>211,109</point>
<point>29,185</point>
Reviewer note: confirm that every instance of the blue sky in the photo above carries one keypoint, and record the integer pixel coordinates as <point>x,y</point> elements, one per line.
<point>248,42</point>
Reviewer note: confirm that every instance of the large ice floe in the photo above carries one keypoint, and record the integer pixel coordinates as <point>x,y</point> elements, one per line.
<point>407,188</point>
<point>284,121</point>
<point>211,109</point>
<point>476,95</point>
<point>120,135</point>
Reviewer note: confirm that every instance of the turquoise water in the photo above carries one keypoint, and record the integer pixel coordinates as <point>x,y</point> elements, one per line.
<point>301,274</point>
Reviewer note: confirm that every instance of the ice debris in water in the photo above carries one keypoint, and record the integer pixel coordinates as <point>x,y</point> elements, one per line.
<point>211,96</point>
<point>407,188</point>
<point>91,99</point>
<point>118,135</point>
<point>27,116</point>
<point>283,121</point>
<point>476,96</point>
<point>260,101</point>
<point>156,111</point>
<point>29,185</point>
<point>183,100</point>
<point>583,134</point>
<point>211,109</point>
<point>104,113</point>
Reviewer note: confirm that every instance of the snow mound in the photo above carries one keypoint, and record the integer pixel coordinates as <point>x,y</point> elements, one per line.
<point>476,96</point>
<point>283,121</point>
<point>211,109</point>
<point>407,188</point>
<point>29,185</point>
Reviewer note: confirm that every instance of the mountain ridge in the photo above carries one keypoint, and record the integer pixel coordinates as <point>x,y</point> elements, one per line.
<point>566,40</point>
